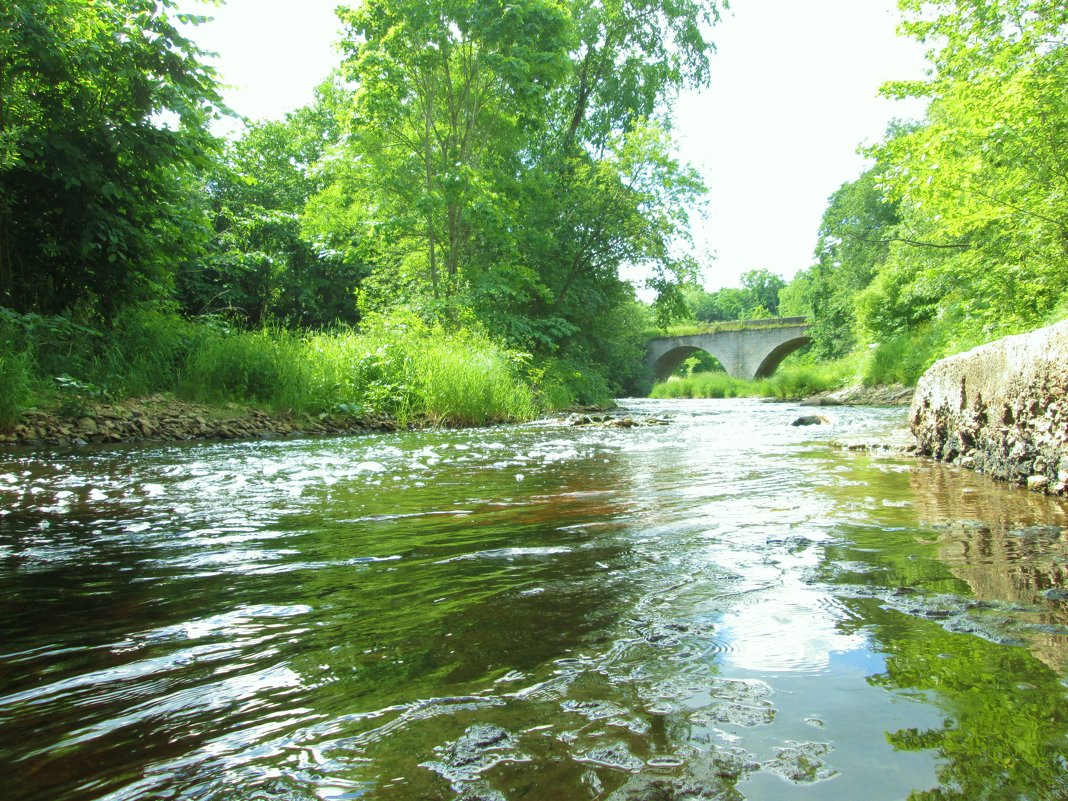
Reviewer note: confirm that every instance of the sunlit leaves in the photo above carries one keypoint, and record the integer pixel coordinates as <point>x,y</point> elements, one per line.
<point>983,185</point>
<point>103,108</point>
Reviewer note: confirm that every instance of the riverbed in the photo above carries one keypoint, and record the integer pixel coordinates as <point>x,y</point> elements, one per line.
<point>723,607</point>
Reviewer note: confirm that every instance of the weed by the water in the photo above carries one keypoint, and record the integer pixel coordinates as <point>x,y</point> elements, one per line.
<point>790,381</point>
<point>394,367</point>
<point>14,386</point>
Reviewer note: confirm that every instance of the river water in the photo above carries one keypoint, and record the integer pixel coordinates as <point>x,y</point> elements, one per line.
<point>723,607</point>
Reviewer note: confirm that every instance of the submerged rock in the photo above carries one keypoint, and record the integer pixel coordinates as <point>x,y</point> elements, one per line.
<point>1001,409</point>
<point>692,776</point>
<point>802,763</point>
<point>612,755</point>
<point>477,750</point>
<point>734,714</point>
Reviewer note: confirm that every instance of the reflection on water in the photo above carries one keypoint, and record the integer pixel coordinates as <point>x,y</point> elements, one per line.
<point>721,608</point>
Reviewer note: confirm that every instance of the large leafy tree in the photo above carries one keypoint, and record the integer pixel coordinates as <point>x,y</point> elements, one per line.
<point>855,236</point>
<point>982,187</point>
<point>506,160</point>
<point>103,112</point>
<point>446,91</point>
<point>261,263</point>
<point>598,211</point>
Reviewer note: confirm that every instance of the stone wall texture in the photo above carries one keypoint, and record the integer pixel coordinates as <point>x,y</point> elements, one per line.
<point>1001,409</point>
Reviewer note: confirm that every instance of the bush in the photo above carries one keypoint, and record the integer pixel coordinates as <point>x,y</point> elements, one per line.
<point>14,386</point>
<point>147,351</point>
<point>903,358</point>
<point>561,383</point>
<point>396,367</point>
<point>266,366</point>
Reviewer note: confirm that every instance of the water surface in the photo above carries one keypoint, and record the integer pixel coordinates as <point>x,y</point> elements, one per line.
<point>723,607</point>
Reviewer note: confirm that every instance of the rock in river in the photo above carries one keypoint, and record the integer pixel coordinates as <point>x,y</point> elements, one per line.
<point>1001,408</point>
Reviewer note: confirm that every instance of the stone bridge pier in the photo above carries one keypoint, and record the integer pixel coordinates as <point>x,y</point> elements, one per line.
<point>747,349</point>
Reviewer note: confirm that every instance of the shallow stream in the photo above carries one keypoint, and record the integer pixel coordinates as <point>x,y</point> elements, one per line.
<point>724,607</point>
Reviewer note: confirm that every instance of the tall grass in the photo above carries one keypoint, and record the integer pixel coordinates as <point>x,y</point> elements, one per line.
<point>903,358</point>
<point>396,368</point>
<point>14,386</point>
<point>790,381</point>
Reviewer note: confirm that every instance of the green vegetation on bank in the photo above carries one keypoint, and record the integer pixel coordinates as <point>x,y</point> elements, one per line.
<point>395,367</point>
<point>795,380</point>
<point>484,172</point>
<point>481,170</point>
<point>957,233</point>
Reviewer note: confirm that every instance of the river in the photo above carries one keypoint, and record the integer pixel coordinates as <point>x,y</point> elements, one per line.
<point>722,607</point>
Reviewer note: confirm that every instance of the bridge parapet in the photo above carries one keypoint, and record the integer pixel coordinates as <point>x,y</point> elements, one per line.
<point>746,348</point>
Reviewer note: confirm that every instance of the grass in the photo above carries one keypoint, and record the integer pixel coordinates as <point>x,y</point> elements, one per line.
<point>790,381</point>
<point>395,367</point>
<point>14,386</point>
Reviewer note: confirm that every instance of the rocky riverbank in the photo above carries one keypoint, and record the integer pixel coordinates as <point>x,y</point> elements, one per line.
<point>1001,409</point>
<point>860,395</point>
<point>161,418</point>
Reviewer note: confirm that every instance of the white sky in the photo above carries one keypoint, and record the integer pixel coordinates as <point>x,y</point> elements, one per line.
<point>793,94</point>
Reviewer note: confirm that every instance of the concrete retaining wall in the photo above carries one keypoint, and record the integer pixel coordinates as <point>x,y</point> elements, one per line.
<point>1001,408</point>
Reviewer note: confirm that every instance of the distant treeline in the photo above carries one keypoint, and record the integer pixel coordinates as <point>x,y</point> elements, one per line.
<point>958,232</point>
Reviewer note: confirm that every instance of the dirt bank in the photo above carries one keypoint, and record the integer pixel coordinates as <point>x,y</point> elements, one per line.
<point>160,418</point>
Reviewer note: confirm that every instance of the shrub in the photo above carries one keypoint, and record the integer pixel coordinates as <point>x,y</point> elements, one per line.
<point>14,386</point>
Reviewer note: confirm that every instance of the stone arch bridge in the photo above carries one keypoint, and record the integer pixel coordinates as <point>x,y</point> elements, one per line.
<point>746,348</point>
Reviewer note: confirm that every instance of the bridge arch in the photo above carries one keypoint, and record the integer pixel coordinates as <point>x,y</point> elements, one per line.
<point>774,359</point>
<point>665,366</point>
<point>746,349</point>
<point>669,362</point>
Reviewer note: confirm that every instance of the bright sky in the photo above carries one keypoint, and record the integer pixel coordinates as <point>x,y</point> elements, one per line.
<point>793,94</point>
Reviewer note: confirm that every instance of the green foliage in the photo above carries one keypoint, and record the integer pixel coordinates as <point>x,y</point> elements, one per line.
<point>261,263</point>
<point>14,386</point>
<point>758,297</point>
<point>705,385</point>
<point>504,163</point>
<point>982,185</point>
<point>903,357</point>
<point>96,190</point>
<point>58,344</point>
<point>957,235</point>
<point>854,242</point>
<point>262,366</point>
<point>146,350</point>
<point>493,167</point>
<point>396,368</point>
<point>401,368</point>
<point>562,383</point>
<point>796,380</point>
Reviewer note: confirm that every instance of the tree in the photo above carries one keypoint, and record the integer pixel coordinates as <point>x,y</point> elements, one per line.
<point>103,113</point>
<point>762,290</point>
<point>507,160</point>
<point>855,235</point>
<point>757,297</point>
<point>262,263</point>
<point>982,186</point>
<point>446,90</point>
